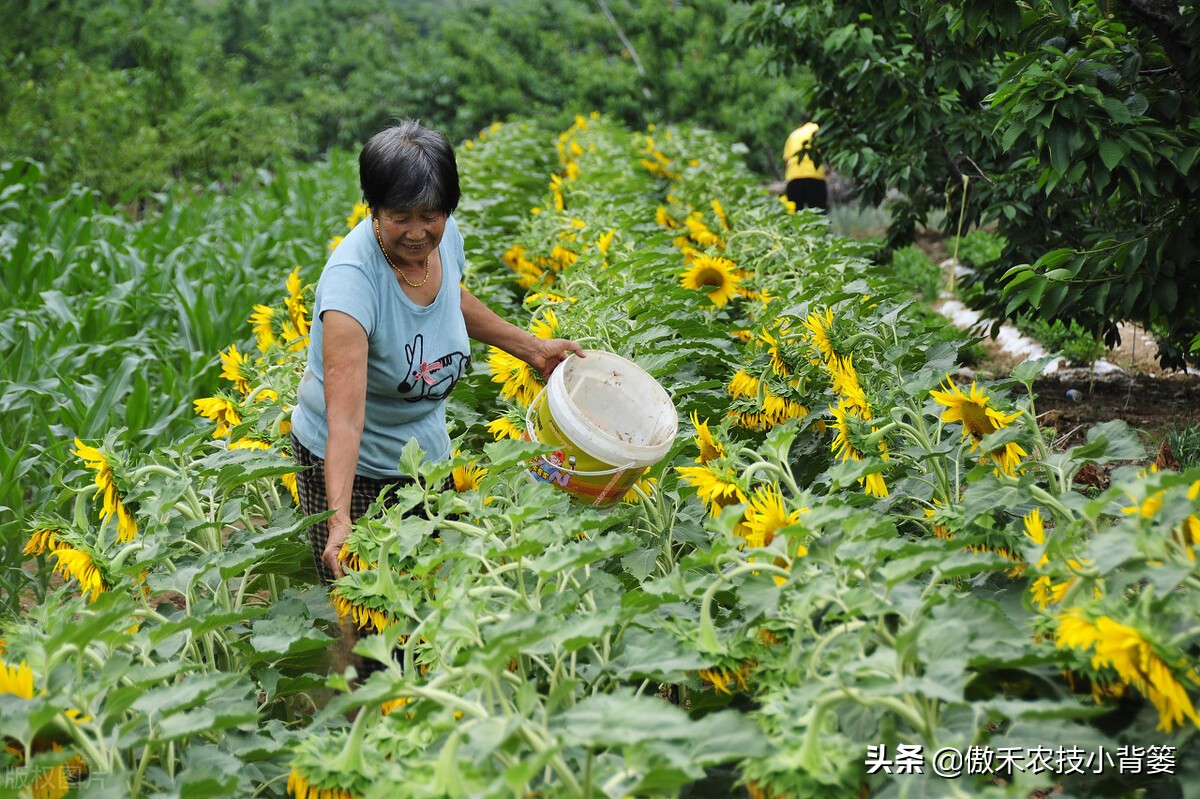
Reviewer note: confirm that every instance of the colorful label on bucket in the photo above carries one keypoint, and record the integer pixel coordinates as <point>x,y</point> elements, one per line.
<point>573,470</point>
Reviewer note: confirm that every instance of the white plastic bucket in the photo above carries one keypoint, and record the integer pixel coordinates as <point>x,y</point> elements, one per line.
<point>609,421</point>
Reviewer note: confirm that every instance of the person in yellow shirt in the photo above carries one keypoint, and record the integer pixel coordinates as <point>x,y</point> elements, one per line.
<point>805,174</point>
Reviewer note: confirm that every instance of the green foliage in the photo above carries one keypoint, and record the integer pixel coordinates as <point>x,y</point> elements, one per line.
<point>1074,342</point>
<point>913,269</point>
<point>979,249</point>
<point>898,560</point>
<point>1070,125</point>
<point>110,321</point>
<point>1185,445</point>
<point>123,96</point>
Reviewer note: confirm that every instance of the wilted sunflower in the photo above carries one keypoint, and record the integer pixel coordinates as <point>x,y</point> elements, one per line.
<point>363,616</point>
<point>45,537</point>
<point>979,419</point>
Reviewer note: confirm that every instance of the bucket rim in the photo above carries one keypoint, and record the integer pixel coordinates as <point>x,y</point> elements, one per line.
<point>606,446</point>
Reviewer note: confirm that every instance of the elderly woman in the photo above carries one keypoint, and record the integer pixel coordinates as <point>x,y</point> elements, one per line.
<point>389,338</point>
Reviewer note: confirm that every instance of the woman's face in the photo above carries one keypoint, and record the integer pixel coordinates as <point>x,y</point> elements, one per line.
<point>412,234</point>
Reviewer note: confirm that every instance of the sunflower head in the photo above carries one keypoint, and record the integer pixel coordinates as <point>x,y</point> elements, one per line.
<point>710,448</point>
<point>972,408</point>
<point>714,275</point>
<point>766,515</point>
<point>716,487</point>
<point>16,680</point>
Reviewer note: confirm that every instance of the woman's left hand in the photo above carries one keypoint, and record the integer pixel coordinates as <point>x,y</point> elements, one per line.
<point>547,353</point>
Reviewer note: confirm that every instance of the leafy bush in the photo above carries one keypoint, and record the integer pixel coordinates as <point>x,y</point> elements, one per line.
<point>979,249</point>
<point>1077,344</point>
<point>913,268</point>
<point>1070,124</point>
<point>1185,445</point>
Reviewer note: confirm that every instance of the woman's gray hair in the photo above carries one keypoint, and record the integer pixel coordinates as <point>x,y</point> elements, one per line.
<point>409,166</point>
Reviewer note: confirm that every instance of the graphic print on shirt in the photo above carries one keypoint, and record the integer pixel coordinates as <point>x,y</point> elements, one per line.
<point>433,380</point>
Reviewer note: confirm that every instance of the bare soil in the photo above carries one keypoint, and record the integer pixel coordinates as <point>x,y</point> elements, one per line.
<point>1152,400</point>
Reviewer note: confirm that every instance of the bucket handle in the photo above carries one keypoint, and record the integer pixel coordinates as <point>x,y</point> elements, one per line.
<point>529,426</point>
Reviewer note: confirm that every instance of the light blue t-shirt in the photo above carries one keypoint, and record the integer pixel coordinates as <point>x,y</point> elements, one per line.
<point>415,354</point>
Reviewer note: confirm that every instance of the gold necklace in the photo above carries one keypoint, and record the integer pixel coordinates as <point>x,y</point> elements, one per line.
<point>395,268</point>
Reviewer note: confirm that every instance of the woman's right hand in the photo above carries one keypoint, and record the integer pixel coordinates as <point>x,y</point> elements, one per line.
<point>339,531</point>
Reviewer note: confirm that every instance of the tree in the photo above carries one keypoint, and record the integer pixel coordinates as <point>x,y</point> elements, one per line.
<point>1072,125</point>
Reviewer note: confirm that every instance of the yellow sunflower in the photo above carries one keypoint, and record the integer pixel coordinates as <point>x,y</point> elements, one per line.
<point>716,489</point>
<point>699,232</point>
<point>505,428</point>
<point>221,410</point>
<point>710,448</point>
<point>546,326</point>
<point>1045,591</point>
<point>719,210</point>
<point>297,312</point>
<point>299,787</point>
<point>515,376</point>
<point>561,258</point>
<point>714,275</point>
<point>16,680</point>
<point>234,367</point>
<point>819,325</point>
<point>467,476</point>
<point>364,617</point>
<point>77,564</point>
<point>774,348</point>
<point>743,384</point>
<point>1135,660</point>
<point>44,538</point>
<point>766,515</point>
<point>845,383</point>
<point>106,486</point>
<point>844,448</point>
<point>979,419</point>
<point>663,218</point>
<point>646,486</point>
<point>262,322</point>
<point>357,214</point>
